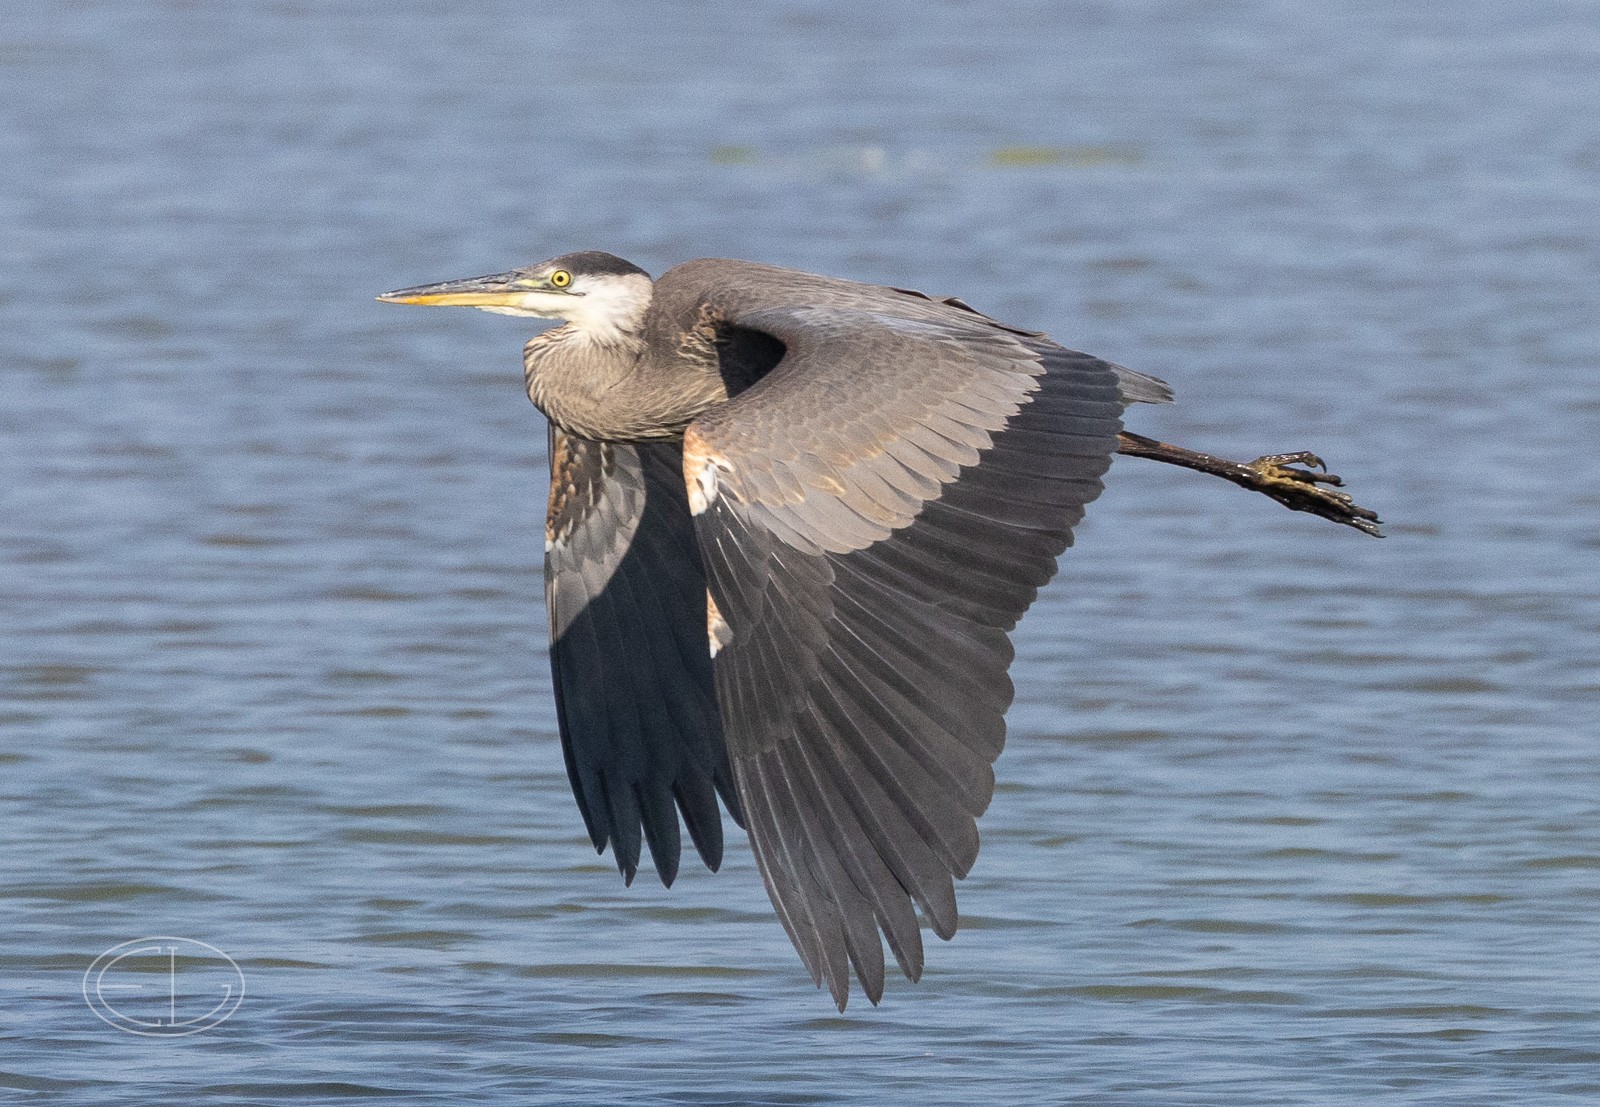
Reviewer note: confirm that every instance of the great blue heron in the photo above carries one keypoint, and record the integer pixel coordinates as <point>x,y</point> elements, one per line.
<point>792,519</point>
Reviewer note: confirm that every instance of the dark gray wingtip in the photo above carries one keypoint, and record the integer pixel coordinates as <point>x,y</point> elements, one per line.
<point>1141,388</point>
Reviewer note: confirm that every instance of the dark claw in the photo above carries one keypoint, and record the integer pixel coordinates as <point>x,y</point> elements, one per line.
<point>1279,465</point>
<point>1298,489</point>
<point>1299,457</point>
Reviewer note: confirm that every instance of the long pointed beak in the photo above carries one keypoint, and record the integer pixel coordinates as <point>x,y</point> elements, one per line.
<point>497,290</point>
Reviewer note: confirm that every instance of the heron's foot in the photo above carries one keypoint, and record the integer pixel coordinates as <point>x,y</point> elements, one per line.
<point>1299,481</point>
<point>1300,457</point>
<point>1301,489</point>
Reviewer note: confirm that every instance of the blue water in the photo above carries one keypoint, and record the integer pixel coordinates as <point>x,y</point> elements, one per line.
<point>1287,816</point>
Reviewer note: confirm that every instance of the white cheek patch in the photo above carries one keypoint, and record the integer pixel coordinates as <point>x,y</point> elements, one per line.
<point>608,309</point>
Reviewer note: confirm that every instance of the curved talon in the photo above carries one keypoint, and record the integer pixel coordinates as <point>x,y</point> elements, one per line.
<point>1299,457</point>
<point>1279,467</point>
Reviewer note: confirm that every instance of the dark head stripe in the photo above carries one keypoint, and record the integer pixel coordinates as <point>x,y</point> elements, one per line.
<point>596,263</point>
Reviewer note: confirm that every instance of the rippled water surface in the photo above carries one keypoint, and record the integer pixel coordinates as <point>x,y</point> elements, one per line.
<point>1287,815</point>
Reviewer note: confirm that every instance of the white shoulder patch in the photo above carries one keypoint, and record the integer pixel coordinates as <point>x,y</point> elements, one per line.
<point>718,632</point>
<point>701,468</point>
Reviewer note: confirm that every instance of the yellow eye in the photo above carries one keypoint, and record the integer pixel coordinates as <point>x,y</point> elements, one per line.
<point>560,278</point>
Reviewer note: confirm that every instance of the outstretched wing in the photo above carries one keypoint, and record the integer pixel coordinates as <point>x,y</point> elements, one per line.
<point>634,695</point>
<point>875,515</point>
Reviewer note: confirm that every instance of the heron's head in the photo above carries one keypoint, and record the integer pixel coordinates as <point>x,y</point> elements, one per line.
<point>595,292</point>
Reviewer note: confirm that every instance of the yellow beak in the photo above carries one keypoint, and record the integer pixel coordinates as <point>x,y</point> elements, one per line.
<point>497,290</point>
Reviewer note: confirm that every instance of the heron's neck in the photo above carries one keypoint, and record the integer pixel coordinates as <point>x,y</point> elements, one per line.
<point>610,389</point>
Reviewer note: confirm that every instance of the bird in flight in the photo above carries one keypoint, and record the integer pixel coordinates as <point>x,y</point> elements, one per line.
<point>792,520</point>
